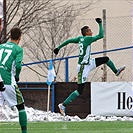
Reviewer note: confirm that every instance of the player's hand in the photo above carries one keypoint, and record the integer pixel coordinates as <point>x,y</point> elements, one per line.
<point>56,50</point>
<point>98,20</point>
<point>2,88</point>
<point>16,79</point>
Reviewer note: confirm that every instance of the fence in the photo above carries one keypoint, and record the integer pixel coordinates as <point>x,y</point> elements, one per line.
<point>119,49</point>
<point>66,60</point>
<point>35,94</point>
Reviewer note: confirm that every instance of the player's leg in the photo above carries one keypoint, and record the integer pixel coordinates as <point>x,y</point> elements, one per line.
<point>71,98</point>
<point>21,110</point>
<point>74,94</point>
<point>103,60</point>
<point>22,117</point>
<point>13,97</point>
<point>82,76</point>
<point>2,87</point>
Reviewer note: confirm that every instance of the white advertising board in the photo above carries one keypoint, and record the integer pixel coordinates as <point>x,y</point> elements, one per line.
<point>112,98</point>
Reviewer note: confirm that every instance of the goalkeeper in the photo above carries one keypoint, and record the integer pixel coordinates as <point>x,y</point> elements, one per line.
<point>11,56</point>
<point>85,63</point>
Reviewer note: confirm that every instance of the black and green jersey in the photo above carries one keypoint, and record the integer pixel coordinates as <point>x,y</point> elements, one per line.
<point>84,43</point>
<point>11,56</point>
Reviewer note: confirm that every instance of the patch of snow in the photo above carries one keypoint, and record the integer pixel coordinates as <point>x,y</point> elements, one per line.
<point>34,115</point>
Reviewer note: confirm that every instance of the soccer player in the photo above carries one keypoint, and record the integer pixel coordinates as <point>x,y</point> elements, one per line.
<point>11,55</point>
<point>85,63</point>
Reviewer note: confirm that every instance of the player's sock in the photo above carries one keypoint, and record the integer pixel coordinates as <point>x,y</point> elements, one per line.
<point>112,66</point>
<point>23,120</point>
<point>71,97</point>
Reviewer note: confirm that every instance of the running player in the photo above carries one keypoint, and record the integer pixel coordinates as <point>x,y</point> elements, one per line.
<point>11,56</point>
<point>85,63</point>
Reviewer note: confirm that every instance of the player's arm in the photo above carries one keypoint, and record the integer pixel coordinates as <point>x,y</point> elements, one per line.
<point>101,32</point>
<point>72,40</point>
<point>18,61</point>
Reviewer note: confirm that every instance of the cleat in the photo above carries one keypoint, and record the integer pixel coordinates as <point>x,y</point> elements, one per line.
<point>120,70</point>
<point>62,109</point>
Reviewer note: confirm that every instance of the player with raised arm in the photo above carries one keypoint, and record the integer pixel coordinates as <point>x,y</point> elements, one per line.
<point>85,63</point>
<point>11,56</point>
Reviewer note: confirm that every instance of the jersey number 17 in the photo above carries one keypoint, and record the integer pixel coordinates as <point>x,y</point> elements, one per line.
<point>7,52</point>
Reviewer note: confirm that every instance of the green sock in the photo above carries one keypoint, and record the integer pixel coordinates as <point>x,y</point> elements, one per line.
<point>23,120</point>
<point>71,97</point>
<point>112,66</point>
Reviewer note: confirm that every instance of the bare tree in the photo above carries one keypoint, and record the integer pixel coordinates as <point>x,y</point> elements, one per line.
<point>25,14</point>
<point>46,36</point>
<point>45,24</point>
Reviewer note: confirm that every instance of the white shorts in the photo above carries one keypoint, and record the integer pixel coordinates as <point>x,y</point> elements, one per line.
<point>84,69</point>
<point>12,95</point>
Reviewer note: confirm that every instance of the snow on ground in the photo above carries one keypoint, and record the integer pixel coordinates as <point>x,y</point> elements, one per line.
<point>8,114</point>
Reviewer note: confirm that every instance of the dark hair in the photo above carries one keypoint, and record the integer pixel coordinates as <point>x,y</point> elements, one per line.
<point>15,33</point>
<point>84,30</point>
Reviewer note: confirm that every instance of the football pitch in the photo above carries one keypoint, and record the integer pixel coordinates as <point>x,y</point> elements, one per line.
<point>70,127</point>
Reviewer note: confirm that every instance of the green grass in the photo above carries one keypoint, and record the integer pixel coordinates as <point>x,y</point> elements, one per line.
<point>70,127</point>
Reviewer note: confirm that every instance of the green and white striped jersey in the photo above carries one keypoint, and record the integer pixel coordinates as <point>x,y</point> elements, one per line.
<point>84,45</point>
<point>11,56</point>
